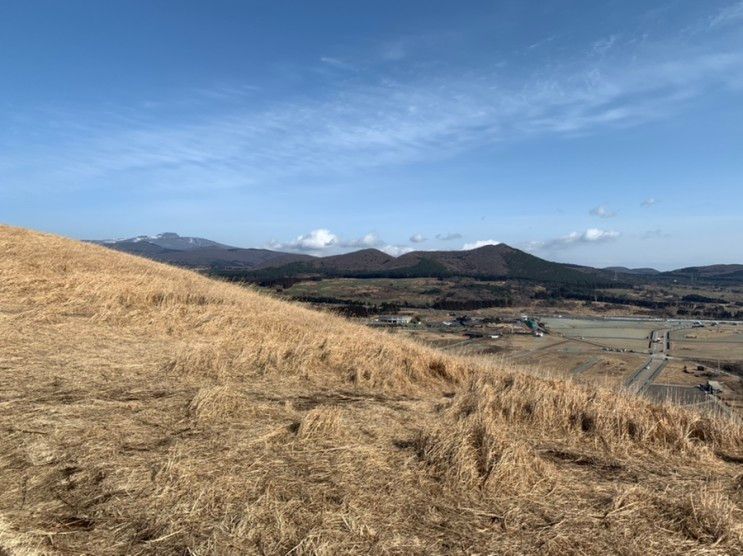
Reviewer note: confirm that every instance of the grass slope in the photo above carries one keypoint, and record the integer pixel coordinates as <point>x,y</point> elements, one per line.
<point>149,410</point>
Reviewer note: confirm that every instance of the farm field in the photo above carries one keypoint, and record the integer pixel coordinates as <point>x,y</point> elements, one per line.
<point>721,342</point>
<point>679,378</point>
<point>611,352</point>
<point>606,344</point>
<point>682,373</point>
<point>585,363</point>
<point>620,334</point>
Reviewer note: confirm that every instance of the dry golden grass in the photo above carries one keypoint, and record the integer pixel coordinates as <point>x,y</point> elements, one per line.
<point>149,410</point>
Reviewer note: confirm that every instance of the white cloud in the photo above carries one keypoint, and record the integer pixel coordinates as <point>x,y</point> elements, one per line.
<point>602,212</point>
<point>451,236</point>
<point>591,235</point>
<point>396,250</point>
<point>417,238</point>
<point>317,240</point>
<point>594,234</point>
<point>649,202</point>
<point>324,242</point>
<point>372,240</point>
<point>479,243</point>
<point>369,240</point>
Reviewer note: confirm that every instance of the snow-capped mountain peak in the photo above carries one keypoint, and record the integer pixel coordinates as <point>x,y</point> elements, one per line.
<point>170,240</point>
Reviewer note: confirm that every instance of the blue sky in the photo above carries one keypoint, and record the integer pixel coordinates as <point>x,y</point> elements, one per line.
<point>596,132</point>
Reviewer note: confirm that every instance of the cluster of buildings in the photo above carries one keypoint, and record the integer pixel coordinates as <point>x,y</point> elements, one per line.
<point>473,326</point>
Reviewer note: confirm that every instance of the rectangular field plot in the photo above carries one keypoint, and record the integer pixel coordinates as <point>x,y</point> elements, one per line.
<point>723,342</point>
<point>612,370</point>
<point>708,350</point>
<point>674,374</point>
<point>584,362</point>
<point>617,334</point>
<point>682,395</point>
<point>557,362</point>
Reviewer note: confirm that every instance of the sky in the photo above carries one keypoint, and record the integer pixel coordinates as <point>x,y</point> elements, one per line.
<point>597,132</point>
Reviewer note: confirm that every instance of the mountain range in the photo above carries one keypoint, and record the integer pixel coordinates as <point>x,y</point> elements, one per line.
<point>490,261</point>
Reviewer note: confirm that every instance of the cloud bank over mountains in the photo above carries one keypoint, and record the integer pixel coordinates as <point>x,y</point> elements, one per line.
<point>479,243</point>
<point>322,241</point>
<point>587,237</point>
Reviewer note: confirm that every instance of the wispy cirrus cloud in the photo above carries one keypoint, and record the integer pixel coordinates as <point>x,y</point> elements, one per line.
<point>649,202</point>
<point>543,42</point>
<point>338,63</point>
<point>450,236</point>
<point>727,15</point>
<point>602,46</point>
<point>654,234</point>
<point>359,124</point>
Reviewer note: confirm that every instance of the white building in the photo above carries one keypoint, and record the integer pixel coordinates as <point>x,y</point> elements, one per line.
<point>395,320</point>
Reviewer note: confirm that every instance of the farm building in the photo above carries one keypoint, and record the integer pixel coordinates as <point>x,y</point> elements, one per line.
<point>395,320</point>
<point>714,387</point>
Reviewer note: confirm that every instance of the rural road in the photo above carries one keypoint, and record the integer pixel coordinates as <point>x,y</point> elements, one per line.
<point>583,367</point>
<point>646,375</point>
<point>462,343</point>
<point>538,350</point>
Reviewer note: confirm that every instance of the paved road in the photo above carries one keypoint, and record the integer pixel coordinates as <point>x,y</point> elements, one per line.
<point>639,381</point>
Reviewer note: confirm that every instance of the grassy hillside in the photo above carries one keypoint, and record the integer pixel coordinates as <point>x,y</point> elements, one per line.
<point>145,409</point>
